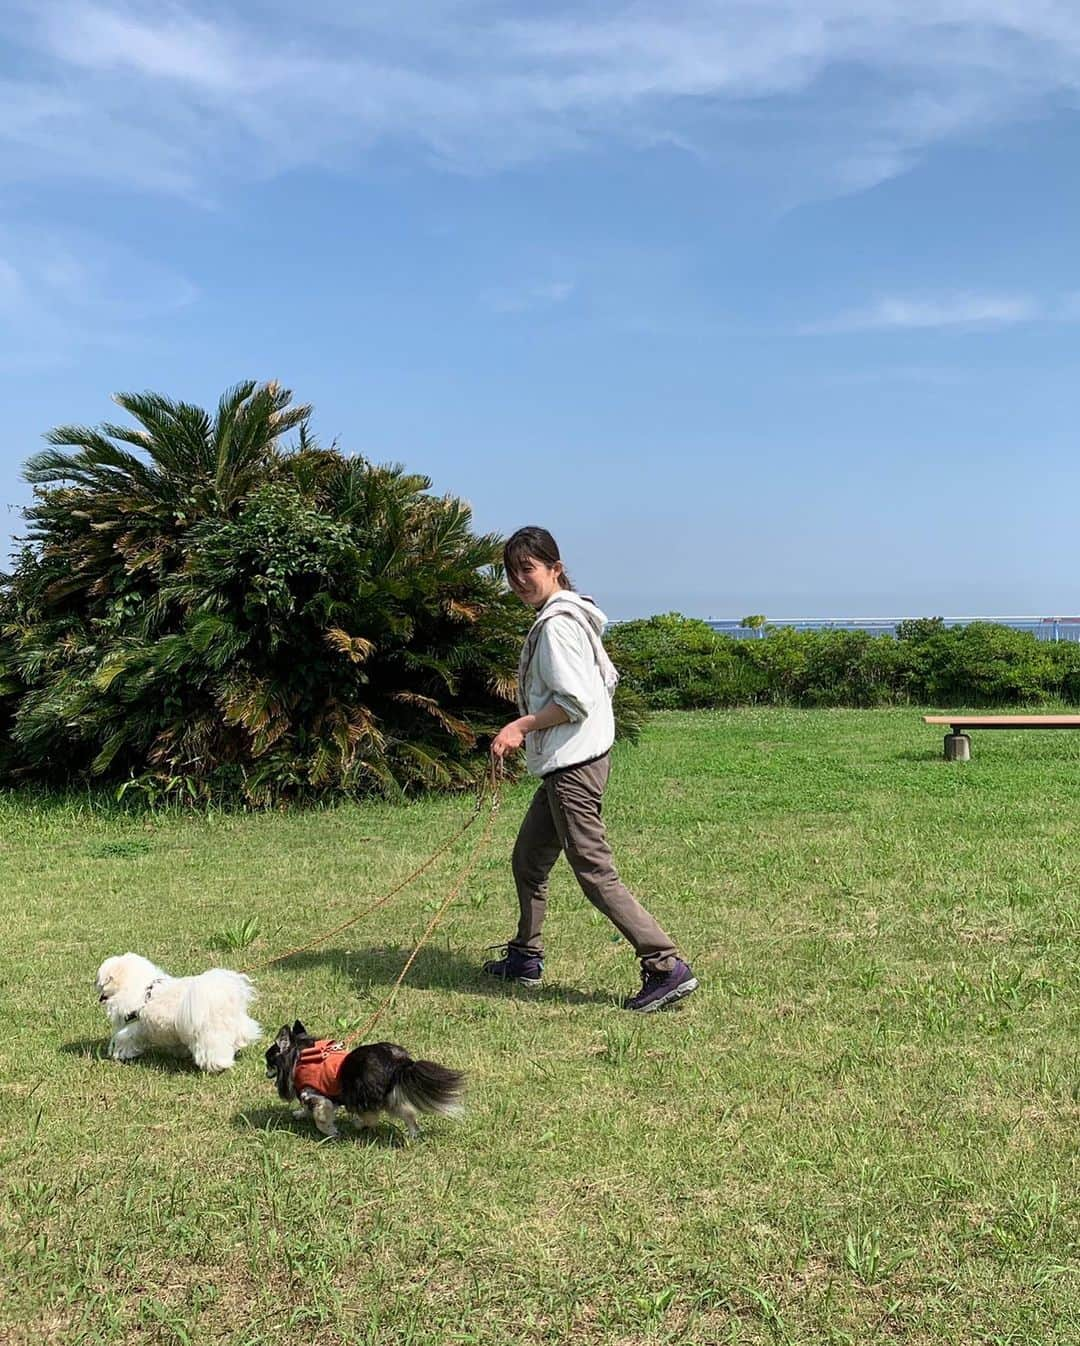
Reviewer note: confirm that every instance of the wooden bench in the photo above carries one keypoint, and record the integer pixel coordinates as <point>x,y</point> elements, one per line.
<point>958,745</point>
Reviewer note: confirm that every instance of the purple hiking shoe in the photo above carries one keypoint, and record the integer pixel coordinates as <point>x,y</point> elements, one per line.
<point>515,965</point>
<point>660,989</point>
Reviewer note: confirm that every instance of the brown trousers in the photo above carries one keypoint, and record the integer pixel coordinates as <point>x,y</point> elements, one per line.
<point>565,816</point>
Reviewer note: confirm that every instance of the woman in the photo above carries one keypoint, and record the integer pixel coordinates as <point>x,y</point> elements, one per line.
<point>565,682</point>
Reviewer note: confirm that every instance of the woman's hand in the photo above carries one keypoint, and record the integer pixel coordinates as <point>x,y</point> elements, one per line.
<point>510,738</point>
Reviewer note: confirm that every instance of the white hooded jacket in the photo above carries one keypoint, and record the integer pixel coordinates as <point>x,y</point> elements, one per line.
<point>563,660</point>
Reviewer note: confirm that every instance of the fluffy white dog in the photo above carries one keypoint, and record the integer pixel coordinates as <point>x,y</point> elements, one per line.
<point>204,1016</point>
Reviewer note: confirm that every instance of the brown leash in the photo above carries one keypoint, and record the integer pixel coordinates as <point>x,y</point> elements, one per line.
<point>488,784</point>
<point>444,906</point>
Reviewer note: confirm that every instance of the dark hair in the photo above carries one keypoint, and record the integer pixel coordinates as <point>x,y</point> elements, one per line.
<point>536,543</point>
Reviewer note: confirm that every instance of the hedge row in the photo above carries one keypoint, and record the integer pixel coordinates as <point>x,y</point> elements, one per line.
<point>677,662</point>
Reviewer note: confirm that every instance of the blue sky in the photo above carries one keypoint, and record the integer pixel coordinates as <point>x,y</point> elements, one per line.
<point>760,307</point>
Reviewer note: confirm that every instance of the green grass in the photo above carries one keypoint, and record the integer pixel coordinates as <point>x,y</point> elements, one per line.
<point>862,1128</point>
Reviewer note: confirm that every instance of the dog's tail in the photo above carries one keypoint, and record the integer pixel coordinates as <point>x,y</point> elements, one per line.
<point>213,1016</point>
<point>430,1087</point>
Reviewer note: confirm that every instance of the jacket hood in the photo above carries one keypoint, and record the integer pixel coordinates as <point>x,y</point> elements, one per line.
<point>583,606</point>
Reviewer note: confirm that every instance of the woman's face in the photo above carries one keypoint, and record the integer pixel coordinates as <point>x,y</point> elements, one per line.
<point>535,581</point>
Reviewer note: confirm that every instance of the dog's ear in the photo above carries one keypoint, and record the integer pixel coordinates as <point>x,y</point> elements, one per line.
<point>284,1038</point>
<point>298,1030</point>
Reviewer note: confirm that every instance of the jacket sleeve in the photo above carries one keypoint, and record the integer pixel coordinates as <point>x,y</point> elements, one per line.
<point>566,665</point>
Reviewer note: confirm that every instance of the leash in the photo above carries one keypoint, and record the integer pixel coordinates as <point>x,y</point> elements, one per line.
<point>488,783</point>
<point>444,906</point>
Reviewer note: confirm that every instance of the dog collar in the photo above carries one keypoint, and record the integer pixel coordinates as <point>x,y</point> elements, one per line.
<point>130,1018</point>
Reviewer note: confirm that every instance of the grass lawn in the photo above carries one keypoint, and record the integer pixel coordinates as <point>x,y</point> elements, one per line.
<point>863,1127</point>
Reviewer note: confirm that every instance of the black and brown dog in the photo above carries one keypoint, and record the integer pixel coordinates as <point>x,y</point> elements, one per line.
<point>322,1076</point>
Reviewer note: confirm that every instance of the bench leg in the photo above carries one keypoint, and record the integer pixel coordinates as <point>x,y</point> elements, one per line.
<point>957,748</point>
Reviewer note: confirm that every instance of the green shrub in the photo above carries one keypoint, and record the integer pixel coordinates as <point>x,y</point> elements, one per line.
<point>916,629</point>
<point>825,668</point>
<point>222,614</point>
<point>675,662</point>
<point>982,665</point>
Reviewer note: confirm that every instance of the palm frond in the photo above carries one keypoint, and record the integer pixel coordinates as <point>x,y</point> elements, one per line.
<point>356,649</point>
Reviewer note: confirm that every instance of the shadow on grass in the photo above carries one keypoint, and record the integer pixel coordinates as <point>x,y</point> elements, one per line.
<point>281,1119</point>
<point>435,969</point>
<point>97,1049</point>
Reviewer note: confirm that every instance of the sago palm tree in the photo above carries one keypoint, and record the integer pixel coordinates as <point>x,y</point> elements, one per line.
<point>127,493</point>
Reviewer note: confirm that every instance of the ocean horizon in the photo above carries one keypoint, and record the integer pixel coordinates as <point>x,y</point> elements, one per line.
<point>1043,628</point>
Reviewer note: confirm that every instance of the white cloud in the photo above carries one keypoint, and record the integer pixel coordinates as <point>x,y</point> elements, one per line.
<point>953,311</point>
<point>175,46</point>
<point>842,93</point>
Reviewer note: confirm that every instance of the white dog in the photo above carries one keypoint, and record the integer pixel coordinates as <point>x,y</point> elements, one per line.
<point>204,1016</point>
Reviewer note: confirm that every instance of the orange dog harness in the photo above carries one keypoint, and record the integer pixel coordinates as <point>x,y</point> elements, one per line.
<point>319,1067</point>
